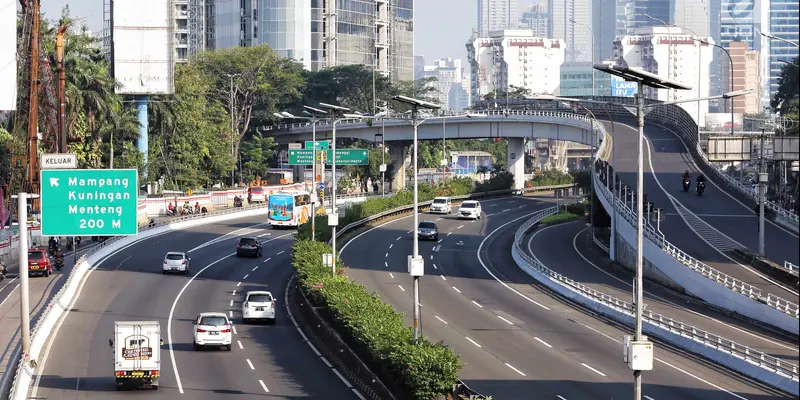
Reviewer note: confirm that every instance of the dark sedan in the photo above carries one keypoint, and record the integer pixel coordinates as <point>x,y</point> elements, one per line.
<point>248,246</point>
<point>428,230</point>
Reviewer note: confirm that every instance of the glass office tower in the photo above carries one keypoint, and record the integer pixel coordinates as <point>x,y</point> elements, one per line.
<point>784,18</point>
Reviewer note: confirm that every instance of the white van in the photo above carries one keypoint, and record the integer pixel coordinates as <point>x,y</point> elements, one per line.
<point>441,205</point>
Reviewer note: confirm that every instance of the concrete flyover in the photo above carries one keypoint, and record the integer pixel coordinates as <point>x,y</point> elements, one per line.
<point>514,125</point>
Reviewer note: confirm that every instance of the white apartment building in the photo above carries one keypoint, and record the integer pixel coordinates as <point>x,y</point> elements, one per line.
<point>447,72</point>
<point>515,58</point>
<point>671,54</point>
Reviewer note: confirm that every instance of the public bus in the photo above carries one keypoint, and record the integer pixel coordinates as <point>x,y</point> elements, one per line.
<point>289,209</point>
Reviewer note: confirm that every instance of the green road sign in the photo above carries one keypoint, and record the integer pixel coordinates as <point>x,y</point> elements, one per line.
<point>343,157</point>
<point>321,145</point>
<point>89,202</point>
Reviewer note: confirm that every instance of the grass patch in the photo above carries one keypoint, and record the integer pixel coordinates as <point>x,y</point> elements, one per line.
<point>563,216</point>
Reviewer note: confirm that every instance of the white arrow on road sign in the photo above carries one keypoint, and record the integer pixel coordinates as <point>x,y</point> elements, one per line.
<point>53,181</point>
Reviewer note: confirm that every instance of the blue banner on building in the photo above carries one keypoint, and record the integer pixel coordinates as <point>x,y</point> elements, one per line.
<point>622,88</point>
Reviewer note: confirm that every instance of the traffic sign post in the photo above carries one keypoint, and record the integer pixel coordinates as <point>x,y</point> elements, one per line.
<point>89,202</point>
<point>321,145</point>
<point>343,156</point>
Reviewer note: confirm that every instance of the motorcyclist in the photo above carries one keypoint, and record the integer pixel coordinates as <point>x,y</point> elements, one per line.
<point>197,207</point>
<point>3,269</point>
<point>70,242</point>
<point>701,178</point>
<point>687,176</point>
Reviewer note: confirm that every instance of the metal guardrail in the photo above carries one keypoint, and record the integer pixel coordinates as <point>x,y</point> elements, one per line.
<point>694,264</point>
<point>791,268</point>
<point>698,335</point>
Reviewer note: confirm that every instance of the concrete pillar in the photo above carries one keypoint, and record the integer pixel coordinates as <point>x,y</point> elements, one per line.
<point>516,161</point>
<point>397,150</point>
<point>141,108</point>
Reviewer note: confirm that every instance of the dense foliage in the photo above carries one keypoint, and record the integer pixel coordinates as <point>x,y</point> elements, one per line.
<point>374,329</point>
<point>786,100</point>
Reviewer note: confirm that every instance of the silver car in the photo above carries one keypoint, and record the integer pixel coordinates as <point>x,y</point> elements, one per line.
<point>428,230</point>
<point>176,261</point>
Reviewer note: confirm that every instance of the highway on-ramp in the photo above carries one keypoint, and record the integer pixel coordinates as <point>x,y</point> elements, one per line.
<point>569,250</point>
<point>518,341</point>
<point>726,223</point>
<point>265,361</point>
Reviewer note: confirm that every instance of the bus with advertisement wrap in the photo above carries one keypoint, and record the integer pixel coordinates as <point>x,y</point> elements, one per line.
<point>289,208</point>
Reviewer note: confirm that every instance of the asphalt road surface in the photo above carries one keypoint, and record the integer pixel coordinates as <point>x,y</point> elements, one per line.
<point>664,165</point>
<point>517,341</point>
<point>265,362</point>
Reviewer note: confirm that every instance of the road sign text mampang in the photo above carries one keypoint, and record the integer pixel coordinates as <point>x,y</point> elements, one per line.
<point>83,202</point>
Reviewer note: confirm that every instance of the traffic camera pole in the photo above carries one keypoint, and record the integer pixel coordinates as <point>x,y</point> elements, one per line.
<point>24,305</point>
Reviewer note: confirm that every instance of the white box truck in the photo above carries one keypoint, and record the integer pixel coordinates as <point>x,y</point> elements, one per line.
<point>137,353</point>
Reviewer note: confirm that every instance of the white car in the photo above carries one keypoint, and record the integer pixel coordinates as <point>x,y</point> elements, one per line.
<point>258,305</point>
<point>176,261</point>
<point>470,209</point>
<point>257,195</point>
<point>441,205</point>
<point>212,329</point>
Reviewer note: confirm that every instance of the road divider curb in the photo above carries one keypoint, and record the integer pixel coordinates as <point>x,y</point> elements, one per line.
<point>27,366</point>
<point>752,363</point>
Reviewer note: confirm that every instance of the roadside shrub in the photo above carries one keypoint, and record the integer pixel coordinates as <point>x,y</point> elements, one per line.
<point>560,217</point>
<point>552,177</point>
<point>499,181</point>
<point>373,329</point>
<point>579,209</point>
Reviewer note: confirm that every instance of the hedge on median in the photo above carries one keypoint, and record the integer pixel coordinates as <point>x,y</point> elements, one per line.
<point>458,186</point>
<point>374,330</point>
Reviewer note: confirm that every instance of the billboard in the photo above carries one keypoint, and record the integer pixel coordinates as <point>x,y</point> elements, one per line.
<point>622,88</point>
<point>8,55</point>
<point>142,47</point>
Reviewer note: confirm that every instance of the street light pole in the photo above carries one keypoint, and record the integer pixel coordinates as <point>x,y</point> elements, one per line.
<point>24,304</point>
<point>762,188</point>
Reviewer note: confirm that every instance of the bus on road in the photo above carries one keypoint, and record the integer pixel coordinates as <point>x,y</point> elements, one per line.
<point>289,209</point>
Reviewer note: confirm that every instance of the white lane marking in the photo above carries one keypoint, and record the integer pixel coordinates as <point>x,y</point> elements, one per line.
<point>443,321</point>
<point>239,342</point>
<point>398,238</point>
<point>386,256</point>
<point>325,360</point>
<point>245,276</point>
<point>238,284</point>
<point>505,320</point>
<point>431,256</point>
<point>472,341</point>
<point>476,303</point>
<point>648,397</point>
<point>674,200</point>
<point>492,205</point>
<point>268,258</point>
<point>543,342</point>
<point>401,288</point>
<point>560,397</point>
<point>263,386</point>
<point>449,233</point>
<point>233,293</point>
<point>391,245</point>
<point>515,370</point>
<point>434,266</point>
<point>221,238</point>
<point>438,219</point>
<point>314,348</point>
<point>386,264</point>
<point>231,305</point>
<point>391,275</point>
<point>9,292</point>
<point>440,241</point>
<point>459,227</point>
<point>280,252</point>
<point>489,215</point>
<point>647,292</point>
<point>592,369</point>
<point>507,209</point>
<point>233,327</point>
<point>263,234</point>
<point>342,378</point>
<point>483,264</point>
<point>358,394</point>
<point>409,231</point>
<point>230,313</point>
<point>443,278</point>
<point>456,289</point>
<point>254,268</point>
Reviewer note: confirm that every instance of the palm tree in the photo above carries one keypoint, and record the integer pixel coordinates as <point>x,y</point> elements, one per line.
<point>482,170</point>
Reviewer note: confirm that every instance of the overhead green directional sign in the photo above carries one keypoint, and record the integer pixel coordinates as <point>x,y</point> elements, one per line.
<point>321,144</point>
<point>343,157</point>
<point>89,202</point>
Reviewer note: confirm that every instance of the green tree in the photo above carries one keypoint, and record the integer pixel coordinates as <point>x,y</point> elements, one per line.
<point>515,92</point>
<point>785,100</point>
<point>256,153</point>
<point>348,86</point>
<point>371,170</point>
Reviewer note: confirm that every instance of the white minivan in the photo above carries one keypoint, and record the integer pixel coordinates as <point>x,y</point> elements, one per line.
<point>258,305</point>
<point>212,329</point>
<point>470,209</point>
<point>441,205</point>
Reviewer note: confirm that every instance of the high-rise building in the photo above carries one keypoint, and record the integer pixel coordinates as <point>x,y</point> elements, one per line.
<point>674,55</point>
<point>233,26</point>
<point>577,35</point>
<point>693,16</point>
<point>608,22</point>
<point>446,72</point>
<point>635,11</point>
<point>746,76</point>
<point>419,66</point>
<point>494,15</point>
<point>536,18</point>
<point>741,21</point>
<point>784,22</point>
<point>189,28</point>
<point>576,80</point>
<point>514,58</point>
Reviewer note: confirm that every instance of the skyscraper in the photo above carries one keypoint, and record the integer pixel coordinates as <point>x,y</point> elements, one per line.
<point>495,15</point>
<point>784,19</point>
<point>635,11</point>
<point>608,22</point>
<point>577,36</point>
<point>740,21</point>
<point>536,18</point>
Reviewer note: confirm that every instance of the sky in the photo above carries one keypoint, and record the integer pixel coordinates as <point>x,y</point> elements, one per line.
<point>442,27</point>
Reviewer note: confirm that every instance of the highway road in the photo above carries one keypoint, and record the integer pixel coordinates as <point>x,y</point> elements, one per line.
<point>517,340</point>
<point>569,250</point>
<point>664,166</point>
<point>266,361</point>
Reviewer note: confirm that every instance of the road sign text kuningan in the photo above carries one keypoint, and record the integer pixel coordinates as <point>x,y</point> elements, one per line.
<point>343,157</point>
<point>89,202</point>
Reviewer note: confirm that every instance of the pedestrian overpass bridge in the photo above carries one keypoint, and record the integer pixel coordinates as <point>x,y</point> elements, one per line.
<point>514,125</point>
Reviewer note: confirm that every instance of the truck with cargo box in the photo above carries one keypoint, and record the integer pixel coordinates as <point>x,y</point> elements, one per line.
<point>137,353</point>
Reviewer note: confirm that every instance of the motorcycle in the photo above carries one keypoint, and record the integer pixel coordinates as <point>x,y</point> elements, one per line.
<point>70,244</point>
<point>237,202</point>
<point>686,183</point>
<point>78,241</point>
<point>3,271</point>
<point>59,262</point>
<point>701,187</point>
<point>53,249</point>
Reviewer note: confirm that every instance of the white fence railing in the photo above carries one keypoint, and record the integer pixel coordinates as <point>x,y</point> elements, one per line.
<point>662,326</point>
<point>791,268</point>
